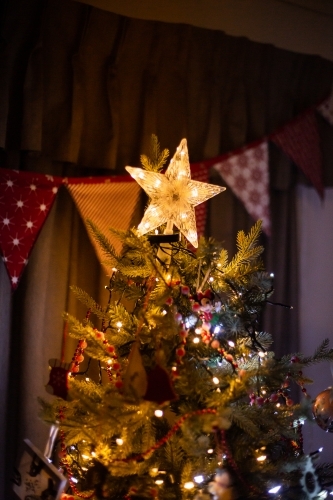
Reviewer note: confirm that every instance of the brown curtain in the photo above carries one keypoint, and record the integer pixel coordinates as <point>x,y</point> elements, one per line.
<point>81,91</point>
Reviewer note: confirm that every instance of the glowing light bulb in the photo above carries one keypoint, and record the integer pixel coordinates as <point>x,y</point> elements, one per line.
<point>159,481</point>
<point>211,279</point>
<point>274,490</point>
<point>189,485</point>
<point>210,450</point>
<point>158,413</point>
<point>216,380</point>
<point>217,329</point>
<point>119,441</point>
<point>198,331</point>
<point>196,340</point>
<point>119,324</point>
<point>199,479</point>
<point>231,343</point>
<point>87,379</point>
<point>261,458</point>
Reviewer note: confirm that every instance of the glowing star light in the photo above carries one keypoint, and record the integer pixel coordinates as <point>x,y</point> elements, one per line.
<point>173,195</point>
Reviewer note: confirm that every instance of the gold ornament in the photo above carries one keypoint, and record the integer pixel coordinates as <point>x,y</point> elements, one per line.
<point>323,410</point>
<point>173,196</point>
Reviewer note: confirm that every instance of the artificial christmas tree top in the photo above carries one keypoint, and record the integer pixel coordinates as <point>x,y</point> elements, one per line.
<point>190,400</point>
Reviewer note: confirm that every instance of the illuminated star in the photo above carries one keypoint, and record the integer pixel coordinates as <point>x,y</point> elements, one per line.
<point>173,195</point>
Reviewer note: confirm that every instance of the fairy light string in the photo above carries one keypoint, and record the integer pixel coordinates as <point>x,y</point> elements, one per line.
<point>134,458</point>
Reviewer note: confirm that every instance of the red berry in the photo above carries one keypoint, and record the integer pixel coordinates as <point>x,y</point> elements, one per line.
<point>99,335</point>
<point>180,352</point>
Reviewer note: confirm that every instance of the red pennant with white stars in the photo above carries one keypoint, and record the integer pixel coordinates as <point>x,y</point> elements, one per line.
<point>25,202</point>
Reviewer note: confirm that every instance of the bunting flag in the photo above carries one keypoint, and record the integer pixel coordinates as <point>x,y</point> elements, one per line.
<point>109,202</point>
<point>326,109</point>
<point>26,197</point>
<point>300,140</point>
<point>200,173</point>
<point>246,173</point>
<point>25,202</point>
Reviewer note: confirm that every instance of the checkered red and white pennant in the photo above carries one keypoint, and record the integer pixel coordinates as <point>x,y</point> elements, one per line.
<point>246,173</point>
<point>25,202</point>
<point>326,109</point>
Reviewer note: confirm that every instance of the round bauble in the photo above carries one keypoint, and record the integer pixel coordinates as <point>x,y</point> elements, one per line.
<point>323,410</point>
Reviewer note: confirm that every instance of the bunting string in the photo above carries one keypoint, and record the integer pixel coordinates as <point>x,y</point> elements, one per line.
<point>26,198</point>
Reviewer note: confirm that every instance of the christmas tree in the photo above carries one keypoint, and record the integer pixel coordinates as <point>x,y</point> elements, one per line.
<point>190,401</point>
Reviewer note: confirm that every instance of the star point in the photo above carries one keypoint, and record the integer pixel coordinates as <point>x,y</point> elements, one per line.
<point>173,195</point>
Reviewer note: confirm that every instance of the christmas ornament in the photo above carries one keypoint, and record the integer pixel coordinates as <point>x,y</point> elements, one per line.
<point>159,387</point>
<point>309,480</point>
<point>58,382</point>
<point>221,488</point>
<point>173,195</point>
<point>135,379</point>
<point>323,410</point>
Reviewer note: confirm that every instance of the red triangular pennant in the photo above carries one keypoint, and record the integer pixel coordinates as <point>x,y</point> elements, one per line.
<point>246,173</point>
<point>200,173</point>
<point>300,140</point>
<point>25,201</point>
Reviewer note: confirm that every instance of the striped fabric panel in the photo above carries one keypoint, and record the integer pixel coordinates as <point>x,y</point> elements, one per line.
<point>107,204</point>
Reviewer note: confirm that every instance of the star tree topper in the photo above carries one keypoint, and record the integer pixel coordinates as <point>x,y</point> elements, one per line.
<point>173,195</point>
